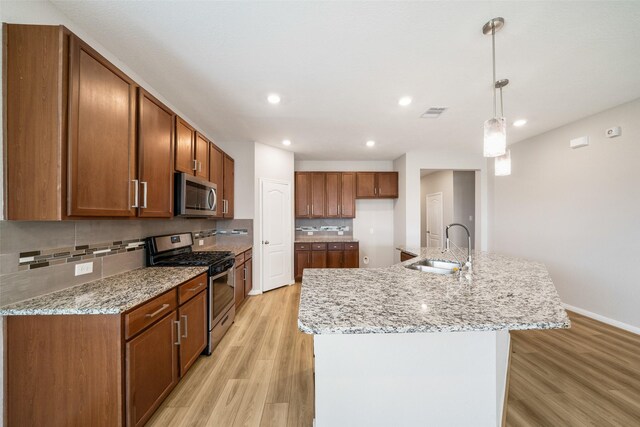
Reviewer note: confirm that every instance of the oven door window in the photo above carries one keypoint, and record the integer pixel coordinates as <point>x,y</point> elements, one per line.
<point>222,294</point>
<point>200,197</point>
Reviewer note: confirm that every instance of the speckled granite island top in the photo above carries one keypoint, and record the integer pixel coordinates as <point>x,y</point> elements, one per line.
<point>502,293</point>
<point>112,295</point>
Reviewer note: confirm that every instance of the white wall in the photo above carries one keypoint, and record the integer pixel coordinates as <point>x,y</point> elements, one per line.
<point>578,211</point>
<point>464,188</point>
<point>373,224</point>
<point>271,163</point>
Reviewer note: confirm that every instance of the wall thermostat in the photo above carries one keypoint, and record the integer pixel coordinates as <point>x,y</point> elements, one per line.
<point>613,132</point>
<point>583,141</point>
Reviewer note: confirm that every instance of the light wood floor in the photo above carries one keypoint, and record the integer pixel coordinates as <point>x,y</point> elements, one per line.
<point>262,374</point>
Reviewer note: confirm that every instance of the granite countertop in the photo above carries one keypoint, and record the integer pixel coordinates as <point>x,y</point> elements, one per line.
<point>323,239</point>
<point>236,248</point>
<point>112,295</point>
<point>502,293</point>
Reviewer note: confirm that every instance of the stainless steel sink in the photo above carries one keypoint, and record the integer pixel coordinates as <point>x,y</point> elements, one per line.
<point>435,266</point>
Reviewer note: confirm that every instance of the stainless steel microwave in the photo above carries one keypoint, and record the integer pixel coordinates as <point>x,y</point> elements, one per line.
<point>195,197</point>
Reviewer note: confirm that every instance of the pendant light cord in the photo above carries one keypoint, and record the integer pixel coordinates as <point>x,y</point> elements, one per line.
<point>501,104</point>
<point>493,50</point>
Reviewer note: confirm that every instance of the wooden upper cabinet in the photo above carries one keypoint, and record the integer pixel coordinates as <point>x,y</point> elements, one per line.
<point>36,65</point>
<point>387,185</point>
<point>303,194</point>
<point>317,194</point>
<point>216,174</point>
<point>155,157</point>
<point>348,195</point>
<point>185,142</point>
<point>102,157</point>
<point>366,185</point>
<point>202,156</point>
<point>376,185</point>
<point>228,186</point>
<point>332,195</point>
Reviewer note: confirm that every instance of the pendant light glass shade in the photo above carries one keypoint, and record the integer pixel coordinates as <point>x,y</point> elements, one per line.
<point>495,137</point>
<point>503,164</point>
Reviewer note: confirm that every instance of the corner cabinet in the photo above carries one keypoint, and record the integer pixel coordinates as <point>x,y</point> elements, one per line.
<point>129,362</point>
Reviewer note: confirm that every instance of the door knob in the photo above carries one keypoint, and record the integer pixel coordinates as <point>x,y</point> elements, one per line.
<point>266,242</point>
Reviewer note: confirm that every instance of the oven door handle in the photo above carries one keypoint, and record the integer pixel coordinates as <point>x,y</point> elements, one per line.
<point>220,275</point>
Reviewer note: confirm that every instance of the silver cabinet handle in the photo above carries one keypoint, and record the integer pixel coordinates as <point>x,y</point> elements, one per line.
<point>375,191</point>
<point>144,197</point>
<point>245,274</point>
<point>158,311</point>
<point>197,287</point>
<point>195,165</point>
<point>199,166</point>
<point>136,194</point>
<point>307,209</point>
<point>177,323</point>
<point>186,327</point>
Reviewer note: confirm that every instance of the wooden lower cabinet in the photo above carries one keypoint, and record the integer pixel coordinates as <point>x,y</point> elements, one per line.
<point>325,255</point>
<point>152,369</point>
<point>244,279</point>
<point>248,276</point>
<point>193,330</point>
<point>110,370</point>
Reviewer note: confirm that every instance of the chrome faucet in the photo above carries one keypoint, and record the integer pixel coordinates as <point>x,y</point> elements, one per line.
<point>448,243</point>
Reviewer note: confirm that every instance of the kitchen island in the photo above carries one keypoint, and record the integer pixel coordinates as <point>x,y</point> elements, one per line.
<point>396,346</point>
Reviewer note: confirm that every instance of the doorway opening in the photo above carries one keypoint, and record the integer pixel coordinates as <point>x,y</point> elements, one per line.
<point>446,197</point>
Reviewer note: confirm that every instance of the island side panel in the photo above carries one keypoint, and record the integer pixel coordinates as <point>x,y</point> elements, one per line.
<point>413,379</point>
<point>64,370</point>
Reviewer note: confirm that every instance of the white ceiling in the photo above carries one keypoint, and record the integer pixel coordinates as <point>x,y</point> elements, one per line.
<point>340,67</point>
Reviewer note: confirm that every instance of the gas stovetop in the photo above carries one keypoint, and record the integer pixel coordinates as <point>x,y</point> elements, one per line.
<point>195,259</point>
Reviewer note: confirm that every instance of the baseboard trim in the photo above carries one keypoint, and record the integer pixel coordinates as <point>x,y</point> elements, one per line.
<point>255,292</point>
<point>603,319</point>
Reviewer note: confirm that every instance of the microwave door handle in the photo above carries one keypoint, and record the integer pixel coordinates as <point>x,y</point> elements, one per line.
<point>212,193</point>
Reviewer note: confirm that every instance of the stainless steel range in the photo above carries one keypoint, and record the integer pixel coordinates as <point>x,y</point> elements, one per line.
<point>177,250</point>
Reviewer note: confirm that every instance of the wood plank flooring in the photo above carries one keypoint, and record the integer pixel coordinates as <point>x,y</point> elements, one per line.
<point>262,374</point>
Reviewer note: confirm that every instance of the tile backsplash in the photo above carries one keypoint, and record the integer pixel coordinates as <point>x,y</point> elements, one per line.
<point>324,227</point>
<point>39,257</point>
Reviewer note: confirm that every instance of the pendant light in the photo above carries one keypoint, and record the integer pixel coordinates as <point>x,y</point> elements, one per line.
<point>503,164</point>
<point>495,129</point>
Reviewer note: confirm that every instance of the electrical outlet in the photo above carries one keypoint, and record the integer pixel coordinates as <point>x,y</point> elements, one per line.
<point>84,268</point>
<point>340,233</point>
<point>309,233</point>
<point>201,242</point>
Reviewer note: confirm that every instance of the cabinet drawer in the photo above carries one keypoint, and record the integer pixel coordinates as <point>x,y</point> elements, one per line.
<point>351,246</point>
<point>239,259</point>
<point>148,313</point>
<point>247,254</point>
<point>190,289</point>
<point>319,246</point>
<point>302,246</point>
<point>336,246</point>
<point>221,327</point>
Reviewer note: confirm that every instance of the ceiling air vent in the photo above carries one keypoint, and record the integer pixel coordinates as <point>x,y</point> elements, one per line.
<point>433,112</point>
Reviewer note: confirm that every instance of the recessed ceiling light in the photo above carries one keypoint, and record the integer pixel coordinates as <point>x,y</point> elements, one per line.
<point>404,101</point>
<point>286,142</point>
<point>520,122</point>
<point>371,143</point>
<point>273,98</point>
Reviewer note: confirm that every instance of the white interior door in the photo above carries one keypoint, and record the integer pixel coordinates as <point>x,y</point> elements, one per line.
<point>276,234</point>
<point>434,220</point>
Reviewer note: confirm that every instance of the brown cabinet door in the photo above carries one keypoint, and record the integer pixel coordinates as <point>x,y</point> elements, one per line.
<point>151,369</point>
<point>155,157</point>
<point>102,157</point>
<point>348,195</point>
<point>216,173</point>
<point>302,261</point>
<point>202,156</point>
<point>351,259</point>
<point>366,185</point>
<point>317,194</point>
<point>193,330</point>
<point>332,195</point>
<point>185,142</point>
<point>334,259</point>
<point>387,183</point>
<point>227,193</point>
<point>238,289</point>
<point>303,194</point>
<point>318,259</point>
<point>248,277</point>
